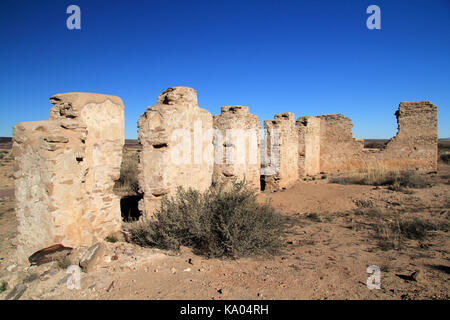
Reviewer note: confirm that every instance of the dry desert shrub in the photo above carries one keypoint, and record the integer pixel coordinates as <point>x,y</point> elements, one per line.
<point>380,177</point>
<point>445,158</point>
<point>220,222</point>
<point>128,180</point>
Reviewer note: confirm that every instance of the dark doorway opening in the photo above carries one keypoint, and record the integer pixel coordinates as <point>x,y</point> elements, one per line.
<point>263,183</point>
<point>129,208</point>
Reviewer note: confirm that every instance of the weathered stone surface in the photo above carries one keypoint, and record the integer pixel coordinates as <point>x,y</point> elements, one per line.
<point>103,116</point>
<point>415,145</point>
<point>176,137</point>
<point>326,143</point>
<point>236,146</point>
<point>17,292</point>
<point>308,145</point>
<point>282,137</point>
<point>65,170</point>
<point>339,150</point>
<point>91,257</point>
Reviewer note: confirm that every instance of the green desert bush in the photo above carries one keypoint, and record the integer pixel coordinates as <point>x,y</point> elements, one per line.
<point>219,222</point>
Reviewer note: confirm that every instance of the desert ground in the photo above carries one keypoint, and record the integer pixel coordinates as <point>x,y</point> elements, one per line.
<point>334,232</point>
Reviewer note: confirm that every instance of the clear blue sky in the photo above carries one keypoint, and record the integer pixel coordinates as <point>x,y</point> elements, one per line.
<point>307,57</point>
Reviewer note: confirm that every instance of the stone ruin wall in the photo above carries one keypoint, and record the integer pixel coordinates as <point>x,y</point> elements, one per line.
<point>177,149</point>
<point>339,150</point>
<point>416,144</point>
<point>413,148</point>
<point>281,169</point>
<point>236,146</point>
<point>308,145</point>
<point>65,170</point>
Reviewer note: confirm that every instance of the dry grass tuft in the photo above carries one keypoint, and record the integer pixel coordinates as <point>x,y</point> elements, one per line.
<point>380,177</point>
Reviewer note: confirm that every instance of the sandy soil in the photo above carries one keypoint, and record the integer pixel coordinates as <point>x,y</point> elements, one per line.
<point>325,256</point>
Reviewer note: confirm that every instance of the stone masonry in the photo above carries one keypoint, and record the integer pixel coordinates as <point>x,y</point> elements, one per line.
<point>65,170</point>
<point>65,167</point>
<point>281,171</point>
<point>177,150</point>
<point>416,144</point>
<point>326,143</point>
<point>236,146</point>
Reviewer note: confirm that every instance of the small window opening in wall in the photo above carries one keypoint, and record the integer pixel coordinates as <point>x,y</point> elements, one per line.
<point>375,143</point>
<point>129,208</point>
<point>79,159</point>
<point>160,145</point>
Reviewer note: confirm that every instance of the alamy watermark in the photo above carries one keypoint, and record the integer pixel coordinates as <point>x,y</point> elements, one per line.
<point>74,277</point>
<point>74,20</point>
<point>201,146</point>
<point>374,20</point>
<point>374,280</point>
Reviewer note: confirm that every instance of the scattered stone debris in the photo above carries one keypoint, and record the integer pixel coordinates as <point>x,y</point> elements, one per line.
<point>17,292</point>
<point>111,286</point>
<point>11,267</point>
<point>64,279</point>
<point>90,258</point>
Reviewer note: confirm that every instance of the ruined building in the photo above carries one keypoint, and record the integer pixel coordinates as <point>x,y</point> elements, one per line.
<point>65,167</point>
<point>236,146</point>
<point>281,171</point>
<point>328,145</point>
<point>177,150</point>
<point>65,170</point>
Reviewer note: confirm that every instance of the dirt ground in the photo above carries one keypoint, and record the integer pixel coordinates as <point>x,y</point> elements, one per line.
<point>327,249</point>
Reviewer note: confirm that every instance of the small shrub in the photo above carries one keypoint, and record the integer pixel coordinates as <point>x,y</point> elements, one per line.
<point>218,222</point>
<point>416,228</point>
<point>3,286</point>
<point>314,217</point>
<point>111,239</point>
<point>445,158</point>
<point>412,180</point>
<point>392,233</point>
<point>378,177</point>
<point>128,179</point>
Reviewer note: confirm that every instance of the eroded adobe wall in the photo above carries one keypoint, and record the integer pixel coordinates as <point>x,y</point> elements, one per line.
<point>339,150</point>
<point>65,170</point>
<point>236,146</point>
<point>415,145</point>
<point>177,149</point>
<point>282,141</point>
<point>308,145</point>
<point>103,116</point>
<point>49,199</point>
<point>413,148</point>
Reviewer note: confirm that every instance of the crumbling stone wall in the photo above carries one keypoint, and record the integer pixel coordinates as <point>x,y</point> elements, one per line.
<point>176,137</point>
<point>308,145</point>
<point>282,141</point>
<point>339,150</point>
<point>236,146</point>
<point>65,170</point>
<point>416,144</point>
<point>326,143</point>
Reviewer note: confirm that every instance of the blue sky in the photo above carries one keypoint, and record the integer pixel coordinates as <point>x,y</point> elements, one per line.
<point>307,57</point>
